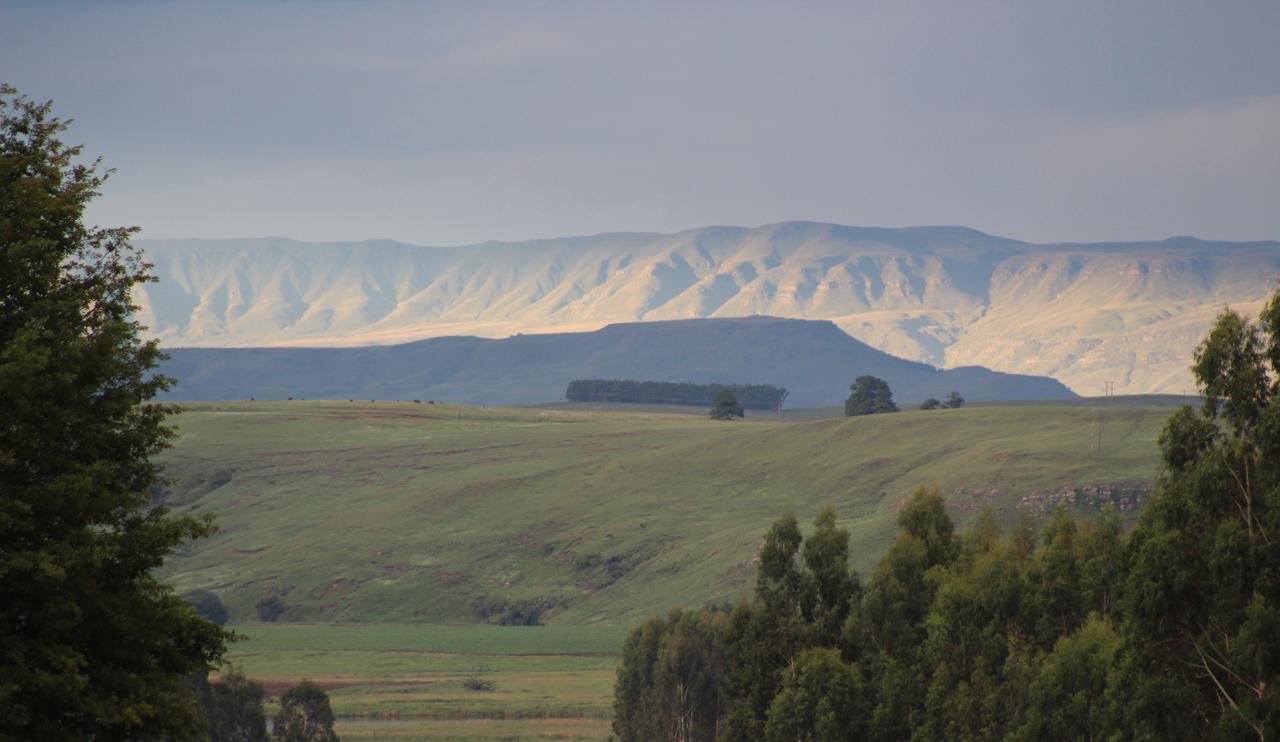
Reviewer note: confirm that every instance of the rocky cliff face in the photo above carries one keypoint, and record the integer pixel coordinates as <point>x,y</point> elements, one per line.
<point>949,296</point>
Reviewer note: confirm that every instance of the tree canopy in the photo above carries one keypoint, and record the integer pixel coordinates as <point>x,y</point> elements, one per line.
<point>305,715</point>
<point>93,646</point>
<point>869,396</point>
<point>726,406</point>
<point>752,396</point>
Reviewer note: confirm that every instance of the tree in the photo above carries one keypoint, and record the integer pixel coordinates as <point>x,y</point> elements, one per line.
<point>207,604</point>
<point>669,683</point>
<point>804,593</point>
<point>93,645</point>
<point>1068,696</point>
<point>869,397</point>
<point>930,404</point>
<point>234,708</point>
<point>1201,601</point>
<point>954,401</point>
<point>270,608</point>
<point>822,698</point>
<point>305,715</point>
<point>726,406</point>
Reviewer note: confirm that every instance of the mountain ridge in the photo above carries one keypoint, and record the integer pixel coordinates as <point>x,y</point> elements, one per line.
<point>1128,312</point>
<point>813,359</point>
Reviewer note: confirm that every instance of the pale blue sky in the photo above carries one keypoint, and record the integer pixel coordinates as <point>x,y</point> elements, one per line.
<point>460,122</point>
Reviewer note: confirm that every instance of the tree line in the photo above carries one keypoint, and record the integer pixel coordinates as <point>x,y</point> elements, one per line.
<point>1073,631</point>
<point>751,396</point>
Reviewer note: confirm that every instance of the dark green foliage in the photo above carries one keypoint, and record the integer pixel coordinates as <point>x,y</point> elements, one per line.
<point>930,404</point>
<point>822,698</point>
<point>1203,589</point>
<point>726,406</point>
<point>1067,700</point>
<point>233,706</point>
<point>270,608</point>
<point>752,396</point>
<point>869,396</point>
<point>669,684</point>
<point>954,401</point>
<point>207,604</point>
<point>1072,633</point>
<point>804,593</point>
<point>91,645</point>
<point>305,715</point>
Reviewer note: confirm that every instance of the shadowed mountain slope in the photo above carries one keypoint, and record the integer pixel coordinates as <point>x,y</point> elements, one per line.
<point>814,360</point>
<point>949,296</point>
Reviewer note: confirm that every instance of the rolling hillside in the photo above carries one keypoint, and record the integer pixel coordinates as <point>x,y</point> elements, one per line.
<point>401,512</point>
<point>815,361</point>
<point>947,296</point>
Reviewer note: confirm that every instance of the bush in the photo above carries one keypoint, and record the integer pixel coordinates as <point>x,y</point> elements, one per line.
<point>207,604</point>
<point>270,608</point>
<point>726,406</point>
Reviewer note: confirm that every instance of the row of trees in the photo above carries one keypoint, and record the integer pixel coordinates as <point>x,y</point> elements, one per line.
<point>752,396</point>
<point>1076,631</point>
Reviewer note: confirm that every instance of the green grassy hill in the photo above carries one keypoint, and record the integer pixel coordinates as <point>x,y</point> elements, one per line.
<point>359,512</point>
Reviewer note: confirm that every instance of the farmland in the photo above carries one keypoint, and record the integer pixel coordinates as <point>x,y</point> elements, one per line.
<point>410,681</point>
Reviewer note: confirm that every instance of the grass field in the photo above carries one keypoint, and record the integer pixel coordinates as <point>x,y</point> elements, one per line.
<point>408,681</point>
<point>385,512</point>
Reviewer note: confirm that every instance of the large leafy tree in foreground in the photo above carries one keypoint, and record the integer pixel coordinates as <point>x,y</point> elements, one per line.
<point>91,644</point>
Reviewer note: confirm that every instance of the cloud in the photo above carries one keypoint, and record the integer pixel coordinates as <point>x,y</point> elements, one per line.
<point>1083,120</point>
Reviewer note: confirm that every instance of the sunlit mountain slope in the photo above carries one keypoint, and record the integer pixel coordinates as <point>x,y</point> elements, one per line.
<point>948,296</point>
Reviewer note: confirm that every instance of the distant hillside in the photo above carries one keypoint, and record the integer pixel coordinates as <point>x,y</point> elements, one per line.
<point>949,296</point>
<point>352,511</point>
<point>814,360</point>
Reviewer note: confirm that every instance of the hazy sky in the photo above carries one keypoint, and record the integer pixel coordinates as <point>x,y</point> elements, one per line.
<point>459,122</point>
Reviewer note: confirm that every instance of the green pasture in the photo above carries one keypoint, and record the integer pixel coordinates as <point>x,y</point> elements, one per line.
<point>409,681</point>
<point>358,512</point>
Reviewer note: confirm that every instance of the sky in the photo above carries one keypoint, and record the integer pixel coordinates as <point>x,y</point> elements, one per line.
<point>456,123</point>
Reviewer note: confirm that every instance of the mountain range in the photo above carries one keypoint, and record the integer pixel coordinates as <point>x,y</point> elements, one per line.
<point>813,359</point>
<point>1127,312</point>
